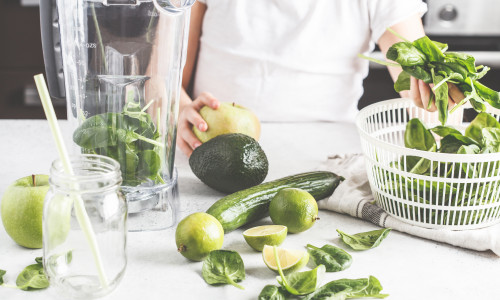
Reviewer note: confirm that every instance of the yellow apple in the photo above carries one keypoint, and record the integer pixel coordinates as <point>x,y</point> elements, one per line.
<point>228,118</point>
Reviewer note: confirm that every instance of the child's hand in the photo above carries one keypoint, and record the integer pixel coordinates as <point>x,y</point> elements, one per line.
<point>420,93</point>
<point>188,117</point>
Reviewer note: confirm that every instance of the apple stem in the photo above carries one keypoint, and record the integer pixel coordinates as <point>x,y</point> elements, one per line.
<point>234,104</point>
<point>33,177</point>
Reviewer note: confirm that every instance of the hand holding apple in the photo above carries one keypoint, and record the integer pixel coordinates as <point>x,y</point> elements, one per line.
<point>228,118</point>
<point>22,210</point>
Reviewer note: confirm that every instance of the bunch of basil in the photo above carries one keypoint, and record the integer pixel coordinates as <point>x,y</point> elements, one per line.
<point>130,137</point>
<point>429,61</point>
<point>481,136</point>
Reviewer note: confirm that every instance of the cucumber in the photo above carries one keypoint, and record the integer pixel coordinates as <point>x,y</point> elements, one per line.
<point>248,205</point>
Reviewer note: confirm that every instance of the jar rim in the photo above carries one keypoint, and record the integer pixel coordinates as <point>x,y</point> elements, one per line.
<point>109,169</point>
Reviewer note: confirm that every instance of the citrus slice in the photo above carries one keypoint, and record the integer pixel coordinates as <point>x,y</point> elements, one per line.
<point>290,260</point>
<point>272,235</point>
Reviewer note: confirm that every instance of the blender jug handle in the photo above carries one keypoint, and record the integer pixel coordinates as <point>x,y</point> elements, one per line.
<point>51,44</point>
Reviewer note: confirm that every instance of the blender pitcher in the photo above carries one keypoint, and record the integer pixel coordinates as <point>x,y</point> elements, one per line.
<point>119,65</point>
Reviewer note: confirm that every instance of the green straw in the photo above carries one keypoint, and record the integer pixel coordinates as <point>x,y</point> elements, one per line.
<point>81,213</point>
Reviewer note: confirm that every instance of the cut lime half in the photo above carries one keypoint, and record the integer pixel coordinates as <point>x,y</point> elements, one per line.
<point>258,237</point>
<point>290,260</point>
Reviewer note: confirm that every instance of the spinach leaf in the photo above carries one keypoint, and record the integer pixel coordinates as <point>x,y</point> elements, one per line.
<point>452,142</point>
<point>349,288</point>
<point>364,240</point>
<point>302,283</point>
<point>417,136</point>
<point>443,131</point>
<point>475,128</point>
<point>2,273</point>
<point>405,54</point>
<point>223,267</point>
<point>333,258</point>
<point>32,278</point>
<point>419,72</point>
<point>402,83</point>
<point>272,292</point>
<point>491,139</point>
<point>441,93</point>
<point>491,96</point>
<point>299,283</point>
<point>39,260</point>
<point>430,49</point>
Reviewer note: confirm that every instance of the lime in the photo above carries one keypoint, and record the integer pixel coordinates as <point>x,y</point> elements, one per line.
<point>294,208</point>
<point>197,235</point>
<point>272,235</point>
<point>290,260</point>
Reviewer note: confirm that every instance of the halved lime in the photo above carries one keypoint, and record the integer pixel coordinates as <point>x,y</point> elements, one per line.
<point>258,237</point>
<point>290,260</point>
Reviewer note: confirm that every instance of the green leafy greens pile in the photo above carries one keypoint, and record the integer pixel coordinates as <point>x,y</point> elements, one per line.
<point>429,61</point>
<point>482,135</point>
<point>31,278</point>
<point>308,283</point>
<point>130,137</point>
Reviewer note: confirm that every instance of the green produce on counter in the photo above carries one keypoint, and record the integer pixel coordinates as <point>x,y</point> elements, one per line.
<point>223,267</point>
<point>349,289</point>
<point>197,235</point>
<point>291,260</point>
<point>294,208</point>
<point>258,237</point>
<point>272,292</point>
<point>31,278</point>
<point>245,206</point>
<point>333,258</point>
<point>431,62</point>
<point>364,240</point>
<point>230,162</point>
<point>22,210</point>
<point>299,283</point>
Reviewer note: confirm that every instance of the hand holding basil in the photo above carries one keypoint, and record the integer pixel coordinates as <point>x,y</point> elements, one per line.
<point>364,240</point>
<point>333,258</point>
<point>429,61</point>
<point>223,267</point>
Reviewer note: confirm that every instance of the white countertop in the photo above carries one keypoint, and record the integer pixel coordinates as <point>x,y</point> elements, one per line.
<point>407,267</point>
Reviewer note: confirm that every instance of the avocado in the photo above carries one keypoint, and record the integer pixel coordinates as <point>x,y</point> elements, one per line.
<point>230,162</point>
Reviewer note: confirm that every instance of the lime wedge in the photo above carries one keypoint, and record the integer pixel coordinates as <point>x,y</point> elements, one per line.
<point>290,260</point>
<point>272,235</point>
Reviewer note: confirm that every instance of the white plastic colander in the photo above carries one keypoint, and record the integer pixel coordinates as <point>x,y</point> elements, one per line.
<point>468,197</point>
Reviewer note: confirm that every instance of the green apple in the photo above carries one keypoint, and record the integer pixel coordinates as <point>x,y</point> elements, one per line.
<point>22,210</point>
<point>228,118</point>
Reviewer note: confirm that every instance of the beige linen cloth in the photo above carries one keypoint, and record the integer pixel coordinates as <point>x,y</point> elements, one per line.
<point>353,196</point>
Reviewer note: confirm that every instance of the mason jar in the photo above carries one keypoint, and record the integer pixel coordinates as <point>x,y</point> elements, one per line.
<point>84,227</point>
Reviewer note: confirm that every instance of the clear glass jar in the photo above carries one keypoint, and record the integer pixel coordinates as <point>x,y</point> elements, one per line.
<point>84,249</point>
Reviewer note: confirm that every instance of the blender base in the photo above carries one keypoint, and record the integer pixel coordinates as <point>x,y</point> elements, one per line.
<point>153,208</point>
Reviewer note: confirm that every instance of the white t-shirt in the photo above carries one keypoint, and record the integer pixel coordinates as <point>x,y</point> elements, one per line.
<point>293,60</point>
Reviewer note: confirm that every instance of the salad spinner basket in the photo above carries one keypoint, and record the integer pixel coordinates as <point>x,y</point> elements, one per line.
<point>458,191</point>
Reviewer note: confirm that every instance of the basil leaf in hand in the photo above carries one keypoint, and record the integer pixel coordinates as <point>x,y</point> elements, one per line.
<point>2,273</point>
<point>272,292</point>
<point>364,240</point>
<point>223,267</point>
<point>349,288</point>
<point>32,278</point>
<point>333,258</point>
